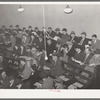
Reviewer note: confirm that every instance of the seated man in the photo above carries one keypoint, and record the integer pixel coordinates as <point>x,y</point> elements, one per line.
<point>73,37</point>
<point>94,61</point>
<point>54,67</point>
<point>79,57</point>
<point>25,70</point>
<point>95,44</point>
<point>83,41</point>
<point>71,49</point>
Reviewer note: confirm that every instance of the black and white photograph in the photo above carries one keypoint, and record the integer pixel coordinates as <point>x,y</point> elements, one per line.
<point>50,46</point>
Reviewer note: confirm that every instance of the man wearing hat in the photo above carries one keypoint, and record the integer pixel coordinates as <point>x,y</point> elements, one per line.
<point>37,31</point>
<point>57,30</point>
<point>11,30</point>
<point>78,58</point>
<point>73,38</point>
<point>24,31</point>
<point>17,28</point>
<point>65,36</point>
<point>83,41</point>
<point>51,33</point>
<point>29,31</point>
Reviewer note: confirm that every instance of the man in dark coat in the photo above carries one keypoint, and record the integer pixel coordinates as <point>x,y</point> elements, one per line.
<point>37,31</point>
<point>30,30</point>
<point>73,37</point>
<point>57,30</point>
<point>83,41</point>
<point>65,37</point>
<point>51,32</point>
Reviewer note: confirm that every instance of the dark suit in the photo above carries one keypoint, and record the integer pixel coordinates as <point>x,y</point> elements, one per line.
<point>74,40</point>
<point>80,56</point>
<point>64,38</point>
<point>71,52</point>
<point>52,34</point>
<point>40,45</point>
<point>85,42</point>
<point>29,32</point>
<point>59,35</point>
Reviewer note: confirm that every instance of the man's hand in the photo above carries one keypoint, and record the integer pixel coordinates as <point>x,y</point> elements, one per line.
<point>46,68</point>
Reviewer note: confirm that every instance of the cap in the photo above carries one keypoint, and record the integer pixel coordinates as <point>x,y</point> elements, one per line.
<point>36,28</point>
<point>30,27</point>
<point>72,32</point>
<point>57,29</point>
<point>84,33</point>
<point>64,29</point>
<point>94,35</point>
<point>24,28</point>
<point>17,26</point>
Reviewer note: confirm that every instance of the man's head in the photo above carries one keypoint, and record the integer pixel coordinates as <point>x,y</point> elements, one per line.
<point>57,30</point>
<point>22,64</point>
<point>34,50</point>
<point>24,29</point>
<point>64,31</point>
<point>77,49</point>
<point>72,34</point>
<point>36,29</point>
<point>49,29</point>
<point>87,50</point>
<point>30,28</point>
<point>94,37</point>
<point>49,42</point>
<point>83,35</point>
<point>17,26</point>
<point>3,27</point>
<point>11,27</point>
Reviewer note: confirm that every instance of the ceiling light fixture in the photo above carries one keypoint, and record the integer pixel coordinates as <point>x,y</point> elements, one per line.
<point>20,9</point>
<point>68,10</point>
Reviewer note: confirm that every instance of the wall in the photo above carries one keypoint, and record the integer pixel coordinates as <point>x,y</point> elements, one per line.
<point>84,17</point>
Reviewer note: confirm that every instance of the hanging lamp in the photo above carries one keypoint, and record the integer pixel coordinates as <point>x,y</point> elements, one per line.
<point>20,9</point>
<point>68,10</point>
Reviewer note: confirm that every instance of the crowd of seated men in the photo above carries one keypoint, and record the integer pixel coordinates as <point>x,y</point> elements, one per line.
<point>23,52</point>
